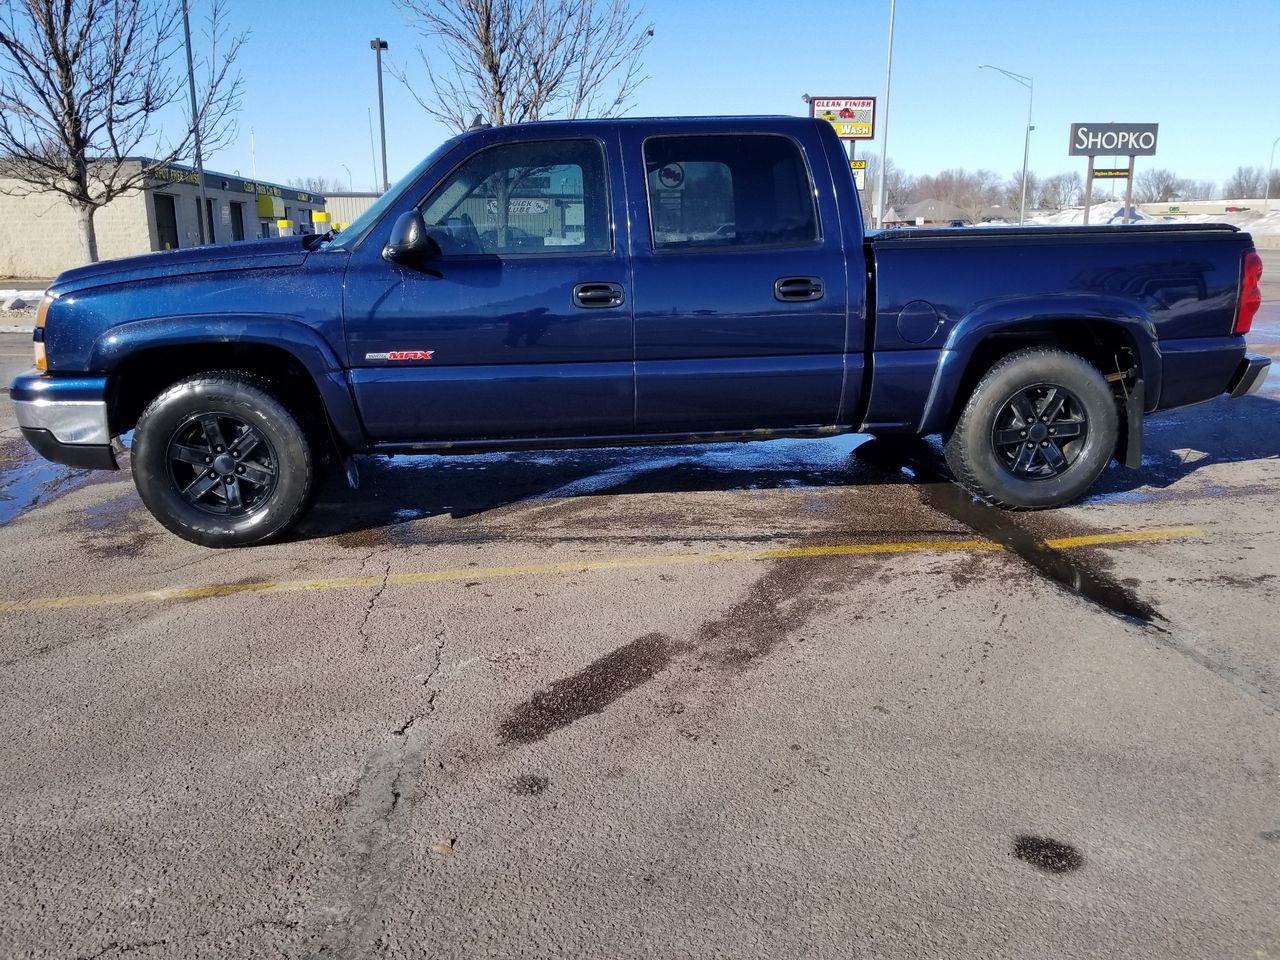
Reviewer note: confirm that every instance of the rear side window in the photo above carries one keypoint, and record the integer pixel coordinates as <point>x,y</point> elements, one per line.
<point>729,191</point>
<point>539,197</point>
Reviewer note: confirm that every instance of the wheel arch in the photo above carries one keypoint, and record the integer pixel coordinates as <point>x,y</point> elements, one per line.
<point>143,358</point>
<point>1120,343</point>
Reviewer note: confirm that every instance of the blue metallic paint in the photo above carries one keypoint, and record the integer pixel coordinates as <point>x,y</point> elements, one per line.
<point>1198,369</point>
<point>700,348</point>
<point>511,354</point>
<point>714,348</point>
<point>1154,283</point>
<point>33,385</point>
<point>248,255</point>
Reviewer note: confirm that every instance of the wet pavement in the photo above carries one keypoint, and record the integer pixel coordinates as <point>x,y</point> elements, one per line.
<point>781,699</point>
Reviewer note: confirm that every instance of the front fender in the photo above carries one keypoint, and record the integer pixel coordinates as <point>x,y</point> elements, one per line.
<point>1005,316</point>
<point>308,347</point>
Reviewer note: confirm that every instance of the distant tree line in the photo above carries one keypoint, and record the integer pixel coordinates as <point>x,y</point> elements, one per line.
<point>975,192</point>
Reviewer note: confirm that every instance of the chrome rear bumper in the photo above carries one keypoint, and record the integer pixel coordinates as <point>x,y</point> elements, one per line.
<point>1249,376</point>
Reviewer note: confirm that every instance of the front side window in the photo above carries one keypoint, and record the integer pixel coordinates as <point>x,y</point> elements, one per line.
<point>729,191</point>
<point>543,197</point>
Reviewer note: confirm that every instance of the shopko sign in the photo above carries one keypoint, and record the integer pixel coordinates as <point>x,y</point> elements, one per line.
<point>1113,139</point>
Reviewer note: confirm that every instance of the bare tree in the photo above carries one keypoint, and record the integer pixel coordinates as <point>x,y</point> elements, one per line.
<point>81,85</point>
<point>512,61</point>
<point>1012,198</point>
<point>1158,185</point>
<point>515,61</point>
<point>1246,182</point>
<point>971,191</point>
<point>1199,190</point>
<point>321,185</point>
<point>899,186</point>
<point>1060,190</point>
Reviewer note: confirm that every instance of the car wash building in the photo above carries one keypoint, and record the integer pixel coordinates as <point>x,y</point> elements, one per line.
<point>39,231</point>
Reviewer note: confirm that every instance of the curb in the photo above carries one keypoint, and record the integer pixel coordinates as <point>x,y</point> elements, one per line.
<point>16,327</point>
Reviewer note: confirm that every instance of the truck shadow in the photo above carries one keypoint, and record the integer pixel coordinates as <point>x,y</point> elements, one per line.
<point>1182,442</point>
<point>402,489</point>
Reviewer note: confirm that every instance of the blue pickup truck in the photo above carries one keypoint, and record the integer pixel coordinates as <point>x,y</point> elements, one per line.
<point>630,282</point>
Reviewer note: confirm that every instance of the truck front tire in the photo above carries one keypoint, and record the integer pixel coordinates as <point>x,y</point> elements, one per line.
<point>1039,428</point>
<point>222,462</point>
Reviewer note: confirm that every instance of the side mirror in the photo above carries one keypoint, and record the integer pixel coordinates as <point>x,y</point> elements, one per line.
<point>409,240</point>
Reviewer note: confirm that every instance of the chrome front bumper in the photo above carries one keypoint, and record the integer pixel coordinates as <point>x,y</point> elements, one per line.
<point>65,418</point>
<point>70,421</point>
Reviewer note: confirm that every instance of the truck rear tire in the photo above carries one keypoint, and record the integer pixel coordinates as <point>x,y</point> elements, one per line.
<point>1040,427</point>
<point>222,462</point>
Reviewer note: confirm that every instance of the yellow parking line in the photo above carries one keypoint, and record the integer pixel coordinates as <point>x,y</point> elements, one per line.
<point>576,566</point>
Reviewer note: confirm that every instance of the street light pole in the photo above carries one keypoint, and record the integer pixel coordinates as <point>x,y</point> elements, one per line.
<point>351,181</point>
<point>1266,201</point>
<point>377,45</point>
<point>195,129</point>
<point>1030,84</point>
<point>884,122</point>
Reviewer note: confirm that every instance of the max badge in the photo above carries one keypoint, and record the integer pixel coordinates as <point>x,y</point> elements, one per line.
<point>401,355</point>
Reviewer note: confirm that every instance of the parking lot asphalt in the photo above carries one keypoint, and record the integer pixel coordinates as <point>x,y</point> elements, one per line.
<point>783,699</point>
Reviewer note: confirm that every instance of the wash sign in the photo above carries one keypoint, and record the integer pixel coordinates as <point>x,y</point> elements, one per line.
<point>1113,139</point>
<point>853,117</point>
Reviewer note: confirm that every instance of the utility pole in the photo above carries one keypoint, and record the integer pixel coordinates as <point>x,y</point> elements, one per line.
<point>884,122</point>
<point>1266,200</point>
<point>373,151</point>
<point>377,45</point>
<point>195,127</point>
<point>1030,84</point>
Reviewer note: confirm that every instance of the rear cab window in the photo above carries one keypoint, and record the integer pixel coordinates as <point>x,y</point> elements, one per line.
<point>726,191</point>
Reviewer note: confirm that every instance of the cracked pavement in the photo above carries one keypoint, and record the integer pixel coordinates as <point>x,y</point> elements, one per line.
<point>917,754</point>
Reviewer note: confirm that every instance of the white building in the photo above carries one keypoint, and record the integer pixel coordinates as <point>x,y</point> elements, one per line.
<point>39,232</point>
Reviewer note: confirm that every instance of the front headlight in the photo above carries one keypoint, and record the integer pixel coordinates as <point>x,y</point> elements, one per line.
<point>42,313</point>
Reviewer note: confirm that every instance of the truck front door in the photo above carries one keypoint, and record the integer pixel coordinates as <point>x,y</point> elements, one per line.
<point>522,326</point>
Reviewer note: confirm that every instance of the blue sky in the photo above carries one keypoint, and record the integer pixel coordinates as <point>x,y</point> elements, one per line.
<point>1207,72</point>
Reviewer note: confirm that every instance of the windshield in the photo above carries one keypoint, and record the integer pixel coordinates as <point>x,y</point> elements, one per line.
<point>361,225</point>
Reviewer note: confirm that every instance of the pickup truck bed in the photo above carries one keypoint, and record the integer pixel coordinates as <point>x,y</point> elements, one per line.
<point>1175,307</point>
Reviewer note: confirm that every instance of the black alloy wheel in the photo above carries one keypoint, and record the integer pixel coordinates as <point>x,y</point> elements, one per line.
<point>222,460</point>
<point>222,465</point>
<point>1039,432</point>
<point>1036,431</point>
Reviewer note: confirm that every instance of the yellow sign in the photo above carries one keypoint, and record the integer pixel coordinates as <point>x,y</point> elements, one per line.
<point>857,164</point>
<point>269,207</point>
<point>173,175</point>
<point>853,117</point>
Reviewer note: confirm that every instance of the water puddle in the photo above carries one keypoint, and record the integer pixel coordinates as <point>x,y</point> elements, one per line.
<point>1043,853</point>
<point>588,691</point>
<point>918,462</point>
<point>529,785</point>
<point>27,480</point>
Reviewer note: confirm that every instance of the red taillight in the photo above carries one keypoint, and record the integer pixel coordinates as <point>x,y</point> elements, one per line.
<point>1250,292</point>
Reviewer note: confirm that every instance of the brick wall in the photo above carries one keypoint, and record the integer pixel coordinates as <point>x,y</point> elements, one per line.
<point>40,233</point>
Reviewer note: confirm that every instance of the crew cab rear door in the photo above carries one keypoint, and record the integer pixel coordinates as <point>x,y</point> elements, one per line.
<point>521,326</point>
<point>739,285</point>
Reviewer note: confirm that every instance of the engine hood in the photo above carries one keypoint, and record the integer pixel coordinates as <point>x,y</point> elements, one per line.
<point>245,255</point>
